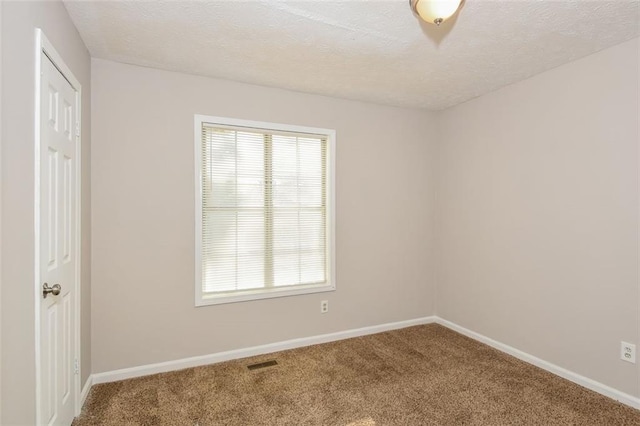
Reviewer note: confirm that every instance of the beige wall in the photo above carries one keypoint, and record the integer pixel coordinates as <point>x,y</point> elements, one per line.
<point>537,213</point>
<point>143,217</point>
<point>19,20</point>
<point>537,221</point>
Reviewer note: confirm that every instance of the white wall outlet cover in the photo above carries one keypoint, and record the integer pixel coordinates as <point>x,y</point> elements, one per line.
<point>628,352</point>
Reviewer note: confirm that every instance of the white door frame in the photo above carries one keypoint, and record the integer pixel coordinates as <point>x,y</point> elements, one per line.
<point>43,45</point>
<point>0,208</point>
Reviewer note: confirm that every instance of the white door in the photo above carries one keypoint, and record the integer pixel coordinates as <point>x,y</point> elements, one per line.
<point>58,198</point>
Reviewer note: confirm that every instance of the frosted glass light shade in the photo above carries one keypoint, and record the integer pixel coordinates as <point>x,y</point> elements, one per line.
<point>435,11</point>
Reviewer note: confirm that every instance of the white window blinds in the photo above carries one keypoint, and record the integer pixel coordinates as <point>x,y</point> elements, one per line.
<point>264,210</point>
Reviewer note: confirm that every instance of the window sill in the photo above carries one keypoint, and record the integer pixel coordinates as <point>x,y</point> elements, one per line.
<point>258,294</point>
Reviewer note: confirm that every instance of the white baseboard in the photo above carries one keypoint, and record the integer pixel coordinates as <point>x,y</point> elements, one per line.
<point>85,391</point>
<point>552,368</point>
<point>179,364</point>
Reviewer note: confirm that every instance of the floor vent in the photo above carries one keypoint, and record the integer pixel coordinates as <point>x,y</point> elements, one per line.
<point>260,365</point>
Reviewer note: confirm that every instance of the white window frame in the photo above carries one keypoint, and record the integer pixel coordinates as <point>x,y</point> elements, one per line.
<point>205,299</point>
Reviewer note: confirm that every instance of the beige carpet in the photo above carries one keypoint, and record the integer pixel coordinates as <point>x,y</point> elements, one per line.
<point>424,375</point>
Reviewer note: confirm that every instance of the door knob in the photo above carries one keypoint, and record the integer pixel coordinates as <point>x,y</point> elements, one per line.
<point>55,290</point>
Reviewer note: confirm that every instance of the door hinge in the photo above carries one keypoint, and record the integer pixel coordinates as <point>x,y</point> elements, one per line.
<point>75,366</point>
<point>77,129</point>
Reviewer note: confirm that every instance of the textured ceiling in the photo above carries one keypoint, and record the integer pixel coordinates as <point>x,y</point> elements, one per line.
<point>368,50</point>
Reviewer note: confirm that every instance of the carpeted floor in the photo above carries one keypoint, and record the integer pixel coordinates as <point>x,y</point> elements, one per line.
<point>423,375</point>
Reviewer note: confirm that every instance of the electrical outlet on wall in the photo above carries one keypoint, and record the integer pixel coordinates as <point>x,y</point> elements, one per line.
<point>324,306</point>
<point>628,352</point>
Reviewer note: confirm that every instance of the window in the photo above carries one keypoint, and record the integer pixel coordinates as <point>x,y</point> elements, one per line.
<point>264,210</point>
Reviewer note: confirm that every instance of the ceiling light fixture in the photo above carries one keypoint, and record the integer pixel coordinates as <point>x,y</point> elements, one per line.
<point>435,11</point>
